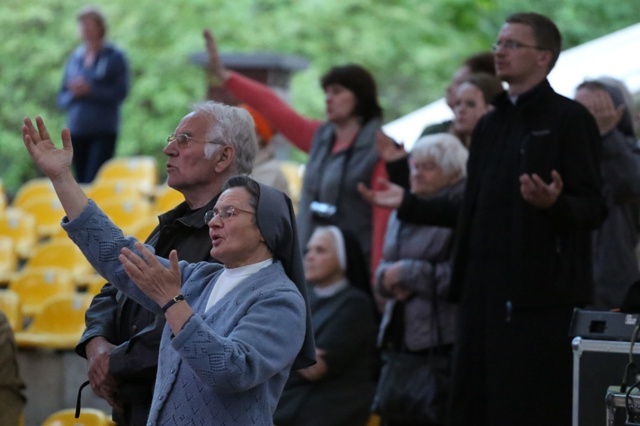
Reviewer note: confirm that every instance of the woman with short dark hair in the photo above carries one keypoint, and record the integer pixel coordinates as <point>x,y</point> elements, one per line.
<point>341,149</point>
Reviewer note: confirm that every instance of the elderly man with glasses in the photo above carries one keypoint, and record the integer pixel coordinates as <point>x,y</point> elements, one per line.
<point>211,144</point>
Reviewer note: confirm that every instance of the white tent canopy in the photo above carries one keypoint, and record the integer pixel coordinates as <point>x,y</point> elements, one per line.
<point>615,55</point>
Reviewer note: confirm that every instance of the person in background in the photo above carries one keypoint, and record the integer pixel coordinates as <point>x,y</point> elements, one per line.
<point>341,149</point>
<point>94,85</point>
<point>266,168</point>
<point>479,63</point>
<point>523,238</point>
<point>628,101</point>
<point>615,265</point>
<point>416,263</point>
<point>234,330</point>
<point>12,399</point>
<point>210,144</point>
<point>473,100</point>
<point>338,389</point>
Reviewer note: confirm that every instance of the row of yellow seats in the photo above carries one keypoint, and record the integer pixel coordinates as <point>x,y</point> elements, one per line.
<point>59,253</point>
<point>58,324</point>
<point>125,188</point>
<point>30,291</point>
<point>119,178</point>
<point>128,176</point>
<point>35,286</point>
<point>27,229</point>
<point>138,172</point>
<point>162,197</point>
<point>132,178</point>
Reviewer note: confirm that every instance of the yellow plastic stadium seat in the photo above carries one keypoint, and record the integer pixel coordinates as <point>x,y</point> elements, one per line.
<point>140,171</point>
<point>35,286</point>
<point>60,234</point>
<point>95,284</point>
<point>88,417</point>
<point>374,420</point>
<point>3,197</point>
<point>127,214</point>
<point>20,226</point>
<point>58,325</point>
<point>61,253</point>
<point>10,305</point>
<point>293,172</point>
<point>103,191</point>
<point>39,187</point>
<point>48,213</point>
<point>166,199</point>
<point>142,230</point>
<point>8,260</point>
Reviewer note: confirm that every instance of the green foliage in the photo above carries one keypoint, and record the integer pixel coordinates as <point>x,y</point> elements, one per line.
<point>411,46</point>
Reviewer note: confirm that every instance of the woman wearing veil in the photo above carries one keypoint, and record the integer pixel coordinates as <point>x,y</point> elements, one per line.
<point>338,389</point>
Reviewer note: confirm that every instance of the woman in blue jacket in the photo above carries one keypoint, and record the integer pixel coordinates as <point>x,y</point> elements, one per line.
<point>94,85</point>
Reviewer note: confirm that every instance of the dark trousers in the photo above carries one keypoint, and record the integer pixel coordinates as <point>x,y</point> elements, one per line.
<point>91,152</point>
<point>512,372</point>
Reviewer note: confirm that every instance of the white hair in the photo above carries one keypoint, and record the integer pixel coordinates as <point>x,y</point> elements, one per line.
<point>232,126</point>
<point>338,243</point>
<point>446,150</point>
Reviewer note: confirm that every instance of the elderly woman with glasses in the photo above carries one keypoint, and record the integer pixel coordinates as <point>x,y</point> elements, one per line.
<point>235,330</point>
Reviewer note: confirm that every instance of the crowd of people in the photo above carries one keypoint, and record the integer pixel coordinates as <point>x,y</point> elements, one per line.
<point>478,244</point>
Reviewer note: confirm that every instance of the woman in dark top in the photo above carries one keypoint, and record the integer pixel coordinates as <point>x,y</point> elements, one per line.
<point>337,391</point>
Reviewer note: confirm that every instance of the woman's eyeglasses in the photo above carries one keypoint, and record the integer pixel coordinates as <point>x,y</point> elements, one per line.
<point>225,213</point>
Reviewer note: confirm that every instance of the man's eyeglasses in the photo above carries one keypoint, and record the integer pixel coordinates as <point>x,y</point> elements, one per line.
<point>184,140</point>
<point>225,213</point>
<point>512,45</point>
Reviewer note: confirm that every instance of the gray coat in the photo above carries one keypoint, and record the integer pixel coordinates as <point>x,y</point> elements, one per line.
<point>615,266</point>
<point>329,176</point>
<point>425,254</point>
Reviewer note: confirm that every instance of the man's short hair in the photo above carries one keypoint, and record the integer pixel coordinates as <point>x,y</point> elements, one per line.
<point>545,32</point>
<point>232,126</point>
